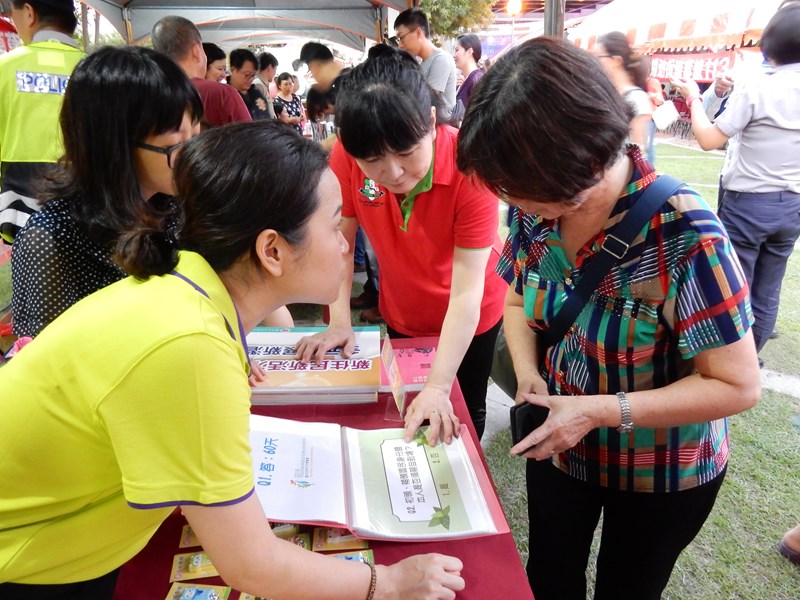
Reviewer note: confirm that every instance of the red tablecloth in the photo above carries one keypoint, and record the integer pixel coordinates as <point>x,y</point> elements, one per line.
<point>492,566</point>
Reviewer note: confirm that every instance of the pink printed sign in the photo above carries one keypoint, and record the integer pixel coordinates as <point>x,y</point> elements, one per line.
<point>699,67</point>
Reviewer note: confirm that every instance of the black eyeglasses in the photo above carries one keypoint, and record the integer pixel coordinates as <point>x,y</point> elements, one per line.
<point>399,38</point>
<point>168,150</point>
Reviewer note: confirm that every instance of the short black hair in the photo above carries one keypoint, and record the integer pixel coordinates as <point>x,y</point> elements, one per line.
<point>384,104</point>
<point>531,132</point>
<point>316,103</point>
<point>267,59</point>
<point>59,14</point>
<point>312,51</point>
<point>238,57</point>
<point>213,52</point>
<point>283,77</point>
<point>175,36</point>
<point>780,41</point>
<point>413,18</point>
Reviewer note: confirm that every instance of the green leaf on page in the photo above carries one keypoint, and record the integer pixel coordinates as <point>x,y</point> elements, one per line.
<point>421,437</point>
<point>441,516</point>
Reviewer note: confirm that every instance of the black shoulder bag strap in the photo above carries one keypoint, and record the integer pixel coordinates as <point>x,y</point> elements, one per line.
<point>614,248</point>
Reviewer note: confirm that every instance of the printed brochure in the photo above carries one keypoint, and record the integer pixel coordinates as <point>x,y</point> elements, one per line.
<point>372,482</point>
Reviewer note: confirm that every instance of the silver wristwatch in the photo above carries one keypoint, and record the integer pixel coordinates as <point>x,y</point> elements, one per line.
<point>626,426</point>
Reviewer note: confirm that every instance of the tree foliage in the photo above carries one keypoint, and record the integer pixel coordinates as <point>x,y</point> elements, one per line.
<point>448,18</point>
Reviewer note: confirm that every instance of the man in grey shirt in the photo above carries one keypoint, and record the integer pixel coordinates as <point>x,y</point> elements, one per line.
<point>761,203</point>
<point>715,98</point>
<point>412,31</point>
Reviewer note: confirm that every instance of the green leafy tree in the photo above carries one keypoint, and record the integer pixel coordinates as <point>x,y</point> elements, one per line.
<point>448,18</point>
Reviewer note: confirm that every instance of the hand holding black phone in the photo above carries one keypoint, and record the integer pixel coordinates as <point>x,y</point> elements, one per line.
<point>526,417</point>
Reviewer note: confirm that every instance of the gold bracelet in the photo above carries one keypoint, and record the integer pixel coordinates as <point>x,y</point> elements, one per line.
<point>373,581</point>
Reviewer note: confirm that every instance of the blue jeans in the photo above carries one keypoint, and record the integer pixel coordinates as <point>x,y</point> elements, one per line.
<point>372,284</point>
<point>763,229</point>
<point>359,254</point>
<point>651,140</point>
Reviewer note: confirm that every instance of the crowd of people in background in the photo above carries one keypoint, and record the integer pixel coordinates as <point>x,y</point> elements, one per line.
<point>205,184</point>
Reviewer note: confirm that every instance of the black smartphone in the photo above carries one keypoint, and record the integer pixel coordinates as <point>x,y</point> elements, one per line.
<point>525,418</point>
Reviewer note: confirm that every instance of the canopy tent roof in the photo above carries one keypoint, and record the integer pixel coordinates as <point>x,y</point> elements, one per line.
<point>679,25</point>
<point>240,22</point>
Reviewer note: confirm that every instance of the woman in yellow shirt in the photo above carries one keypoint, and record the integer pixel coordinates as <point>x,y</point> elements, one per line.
<point>135,400</point>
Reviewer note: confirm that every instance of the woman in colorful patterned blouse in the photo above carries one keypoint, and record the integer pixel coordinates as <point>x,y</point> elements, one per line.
<point>662,351</point>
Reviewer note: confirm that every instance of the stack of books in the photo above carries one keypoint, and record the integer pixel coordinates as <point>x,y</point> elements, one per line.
<point>333,380</point>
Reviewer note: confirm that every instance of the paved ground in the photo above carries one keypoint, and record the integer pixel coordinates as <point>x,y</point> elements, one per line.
<point>497,419</point>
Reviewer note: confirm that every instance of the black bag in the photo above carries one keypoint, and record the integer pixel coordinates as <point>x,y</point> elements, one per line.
<point>615,246</point>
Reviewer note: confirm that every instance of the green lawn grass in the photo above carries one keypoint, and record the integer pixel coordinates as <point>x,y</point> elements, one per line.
<point>699,169</point>
<point>734,556</point>
<point>783,354</point>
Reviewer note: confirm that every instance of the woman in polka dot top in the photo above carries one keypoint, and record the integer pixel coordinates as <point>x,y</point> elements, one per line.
<point>126,114</point>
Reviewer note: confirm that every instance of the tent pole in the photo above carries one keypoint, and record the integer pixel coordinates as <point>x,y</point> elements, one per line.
<point>85,27</point>
<point>126,19</point>
<point>554,17</point>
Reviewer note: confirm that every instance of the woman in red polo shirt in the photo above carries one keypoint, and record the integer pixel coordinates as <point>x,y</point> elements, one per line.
<point>433,230</point>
